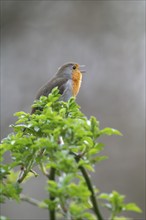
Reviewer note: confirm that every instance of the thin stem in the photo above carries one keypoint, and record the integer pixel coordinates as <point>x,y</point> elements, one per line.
<point>44,171</point>
<point>25,170</point>
<point>52,177</point>
<point>22,175</point>
<point>32,201</point>
<point>93,197</point>
<point>34,173</point>
<point>52,198</point>
<point>90,187</point>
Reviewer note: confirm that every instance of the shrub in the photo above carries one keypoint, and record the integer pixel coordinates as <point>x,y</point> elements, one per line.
<point>64,144</point>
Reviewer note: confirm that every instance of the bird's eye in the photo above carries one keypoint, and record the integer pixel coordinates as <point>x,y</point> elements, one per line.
<point>74,67</point>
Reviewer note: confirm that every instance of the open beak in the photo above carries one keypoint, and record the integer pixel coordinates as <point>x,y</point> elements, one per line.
<point>82,70</point>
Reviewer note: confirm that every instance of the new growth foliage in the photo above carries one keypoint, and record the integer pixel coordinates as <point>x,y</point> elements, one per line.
<point>64,144</point>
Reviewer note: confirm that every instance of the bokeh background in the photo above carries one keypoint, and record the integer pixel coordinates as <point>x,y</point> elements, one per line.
<point>108,37</point>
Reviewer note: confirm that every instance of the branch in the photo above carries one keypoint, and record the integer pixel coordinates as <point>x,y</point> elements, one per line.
<point>34,173</point>
<point>52,198</point>
<point>52,177</point>
<point>25,170</point>
<point>44,171</point>
<point>22,175</point>
<point>32,201</point>
<point>93,197</point>
<point>90,187</point>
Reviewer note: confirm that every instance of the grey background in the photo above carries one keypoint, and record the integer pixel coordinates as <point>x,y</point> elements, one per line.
<point>106,36</point>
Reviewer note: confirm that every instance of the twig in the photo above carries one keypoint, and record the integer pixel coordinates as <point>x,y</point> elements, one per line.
<point>44,171</point>
<point>22,174</point>
<point>52,198</point>
<point>34,173</point>
<point>90,187</point>
<point>93,197</point>
<point>32,201</point>
<point>25,170</point>
<point>52,177</point>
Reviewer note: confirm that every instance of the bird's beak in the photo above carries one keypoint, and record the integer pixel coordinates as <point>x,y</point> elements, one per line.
<point>82,70</point>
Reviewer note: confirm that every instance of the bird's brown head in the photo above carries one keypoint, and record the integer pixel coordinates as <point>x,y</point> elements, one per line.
<point>73,72</point>
<point>69,69</point>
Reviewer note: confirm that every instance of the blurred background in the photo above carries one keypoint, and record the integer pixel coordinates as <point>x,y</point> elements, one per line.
<point>108,37</point>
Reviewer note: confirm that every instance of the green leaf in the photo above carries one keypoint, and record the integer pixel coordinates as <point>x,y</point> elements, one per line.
<point>88,141</point>
<point>110,131</point>
<point>86,165</point>
<point>36,128</point>
<point>116,203</point>
<point>12,177</point>
<point>22,114</point>
<point>132,207</point>
<point>94,127</point>
<point>43,205</point>
<point>88,216</point>
<point>104,196</point>
<point>51,204</point>
<point>98,159</point>
<point>121,218</point>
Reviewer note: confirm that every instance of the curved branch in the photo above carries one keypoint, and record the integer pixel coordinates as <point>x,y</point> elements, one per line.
<point>93,197</point>
<point>90,187</point>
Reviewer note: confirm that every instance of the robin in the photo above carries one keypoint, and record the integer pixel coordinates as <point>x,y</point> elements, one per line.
<point>68,80</point>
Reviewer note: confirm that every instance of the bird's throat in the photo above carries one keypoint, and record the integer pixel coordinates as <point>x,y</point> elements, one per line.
<point>76,79</point>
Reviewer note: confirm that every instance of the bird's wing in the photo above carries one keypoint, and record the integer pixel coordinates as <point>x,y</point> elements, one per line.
<point>47,88</point>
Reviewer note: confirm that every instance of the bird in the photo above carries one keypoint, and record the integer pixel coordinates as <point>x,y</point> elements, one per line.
<point>68,80</point>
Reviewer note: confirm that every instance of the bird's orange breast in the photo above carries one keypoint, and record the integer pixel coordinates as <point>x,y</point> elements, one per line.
<point>76,79</point>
